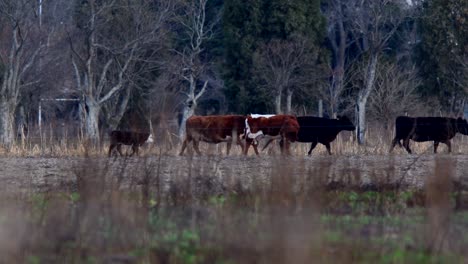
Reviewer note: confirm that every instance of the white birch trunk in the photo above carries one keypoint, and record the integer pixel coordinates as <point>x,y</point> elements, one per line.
<point>363,96</point>
<point>187,112</point>
<point>119,110</point>
<point>6,122</point>
<point>289,94</point>
<point>361,126</point>
<point>190,104</point>
<point>278,102</point>
<point>92,121</point>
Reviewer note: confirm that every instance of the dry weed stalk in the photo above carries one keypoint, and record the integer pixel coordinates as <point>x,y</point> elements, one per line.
<point>438,190</point>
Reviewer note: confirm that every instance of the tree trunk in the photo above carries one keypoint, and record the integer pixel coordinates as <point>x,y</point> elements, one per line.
<point>363,96</point>
<point>92,121</point>
<point>6,122</point>
<point>113,121</point>
<point>21,125</point>
<point>320,108</point>
<point>338,41</point>
<point>188,111</point>
<point>289,94</point>
<point>278,102</point>
<point>361,122</point>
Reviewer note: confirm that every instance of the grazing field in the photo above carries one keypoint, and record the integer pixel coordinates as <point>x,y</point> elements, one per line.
<point>235,209</point>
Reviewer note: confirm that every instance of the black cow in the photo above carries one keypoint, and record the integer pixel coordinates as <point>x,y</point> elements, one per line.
<point>135,139</point>
<point>320,130</point>
<point>419,129</point>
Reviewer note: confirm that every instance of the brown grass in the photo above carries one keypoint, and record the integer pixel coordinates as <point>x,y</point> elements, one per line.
<point>378,143</point>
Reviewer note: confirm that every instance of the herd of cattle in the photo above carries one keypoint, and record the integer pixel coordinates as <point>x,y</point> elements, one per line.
<point>247,130</point>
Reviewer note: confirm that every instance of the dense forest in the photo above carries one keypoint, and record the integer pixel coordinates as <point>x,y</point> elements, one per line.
<point>106,64</point>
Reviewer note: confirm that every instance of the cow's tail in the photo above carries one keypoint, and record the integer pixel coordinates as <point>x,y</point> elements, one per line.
<point>395,141</point>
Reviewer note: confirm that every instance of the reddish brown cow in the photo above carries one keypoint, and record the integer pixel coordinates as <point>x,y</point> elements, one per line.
<point>285,127</point>
<point>214,129</point>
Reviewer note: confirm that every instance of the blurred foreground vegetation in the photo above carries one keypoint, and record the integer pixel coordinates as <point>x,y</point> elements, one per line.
<point>193,219</point>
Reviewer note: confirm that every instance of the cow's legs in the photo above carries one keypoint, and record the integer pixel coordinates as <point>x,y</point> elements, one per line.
<point>119,149</point>
<point>111,147</point>
<point>268,143</point>
<point>327,145</point>
<point>134,150</point>
<point>228,147</point>
<point>239,142</point>
<point>436,145</point>
<point>285,148</point>
<point>249,142</point>
<point>281,145</point>
<point>449,145</point>
<point>184,145</point>
<point>406,145</point>
<point>312,146</point>
<point>394,143</point>
<point>195,146</point>
<point>255,147</point>
<point>247,146</point>
<point>284,145</point>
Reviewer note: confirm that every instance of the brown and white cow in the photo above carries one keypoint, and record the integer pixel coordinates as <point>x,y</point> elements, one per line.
<point>135,139</point>
<point>285,127</point>
<point>214,129</point>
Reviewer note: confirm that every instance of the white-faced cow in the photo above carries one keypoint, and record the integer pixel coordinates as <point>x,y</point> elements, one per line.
<point>135,139</point>
<point>214,129</point>
<point>419,129</point>
<point>273,126</point>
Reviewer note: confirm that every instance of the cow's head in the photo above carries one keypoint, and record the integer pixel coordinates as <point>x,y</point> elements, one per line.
<point>150,139</point>
<point>346,124</point>
<point>462,126</point>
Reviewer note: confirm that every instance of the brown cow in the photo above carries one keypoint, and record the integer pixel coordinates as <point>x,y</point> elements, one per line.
<point>213,129</point>
<point>135,139</point>
<point>285,127</point>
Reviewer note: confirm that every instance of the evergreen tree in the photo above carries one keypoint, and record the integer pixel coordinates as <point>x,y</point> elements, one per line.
<point>242,29</point>
<point>249,24</point>
<point>443,50</point>
<point>285,19</point>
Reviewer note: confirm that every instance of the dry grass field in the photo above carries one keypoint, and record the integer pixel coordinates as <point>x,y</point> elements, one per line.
<point>66,203</point>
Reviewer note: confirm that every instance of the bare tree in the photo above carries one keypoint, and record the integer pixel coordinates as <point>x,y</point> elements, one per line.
<point>375,23</point>
<point>152,34</point>
<point>19,49</point>
<point>285,66</point>
<point>338,37</point>
<point>193,70</point>
<point>105,52</point>
<point>394,93</point>
<point>457,74</point>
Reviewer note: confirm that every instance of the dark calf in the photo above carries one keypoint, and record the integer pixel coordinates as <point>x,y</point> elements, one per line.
<point>135,139</point>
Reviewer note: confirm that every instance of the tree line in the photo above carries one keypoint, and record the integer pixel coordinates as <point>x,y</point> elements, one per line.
<point>130,62</point>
